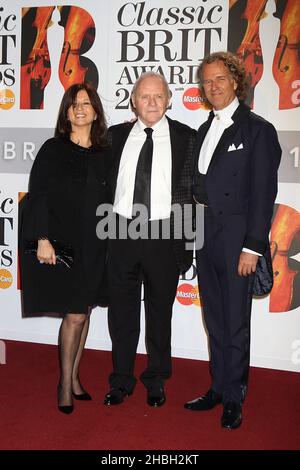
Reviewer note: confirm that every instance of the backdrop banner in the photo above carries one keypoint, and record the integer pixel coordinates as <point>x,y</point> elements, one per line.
<point>46,47</point>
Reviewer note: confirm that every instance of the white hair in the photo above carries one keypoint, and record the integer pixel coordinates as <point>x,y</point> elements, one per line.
<point>145,75</point>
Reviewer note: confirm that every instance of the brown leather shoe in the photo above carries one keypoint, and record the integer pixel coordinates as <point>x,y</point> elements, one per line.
<point>204,403</point>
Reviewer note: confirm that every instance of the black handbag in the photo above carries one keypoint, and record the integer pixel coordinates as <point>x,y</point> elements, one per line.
<point>64,253</point>
<point>263,279</point>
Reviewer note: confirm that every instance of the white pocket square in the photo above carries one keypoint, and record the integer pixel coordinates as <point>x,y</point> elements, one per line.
<point>232,147</point>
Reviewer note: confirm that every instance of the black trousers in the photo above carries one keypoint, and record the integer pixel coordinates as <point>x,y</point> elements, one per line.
<point>227,299</point>
<point>131,263</point>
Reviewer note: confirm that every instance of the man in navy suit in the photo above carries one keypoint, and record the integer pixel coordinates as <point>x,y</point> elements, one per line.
<point>235,179</point>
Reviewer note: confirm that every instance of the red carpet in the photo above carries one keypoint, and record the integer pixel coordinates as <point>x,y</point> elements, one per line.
<point>29,418</point>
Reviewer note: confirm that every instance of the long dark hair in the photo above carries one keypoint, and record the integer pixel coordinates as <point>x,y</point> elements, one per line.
<point>99,127</point>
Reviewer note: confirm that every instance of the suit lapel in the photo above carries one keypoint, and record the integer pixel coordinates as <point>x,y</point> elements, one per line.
<point>119,138</point>
<point>202,131</point>
<point>177,153</point>
<point>241,113</point>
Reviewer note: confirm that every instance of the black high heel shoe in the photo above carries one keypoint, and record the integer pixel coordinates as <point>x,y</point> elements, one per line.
<point>66,409</point>
<point>82,396</point>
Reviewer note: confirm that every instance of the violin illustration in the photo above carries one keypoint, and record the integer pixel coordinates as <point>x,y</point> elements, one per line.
<point>35,71</point>
<point>79,35</point>
<point>286,65</point>
<point>285,241</point>
<point>249,48</point>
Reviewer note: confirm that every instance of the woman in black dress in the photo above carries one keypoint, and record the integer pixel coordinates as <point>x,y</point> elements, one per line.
<point>67,184</point>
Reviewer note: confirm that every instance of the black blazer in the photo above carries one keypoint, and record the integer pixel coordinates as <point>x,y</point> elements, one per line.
<point>182,148</point>
<point>244,181</point>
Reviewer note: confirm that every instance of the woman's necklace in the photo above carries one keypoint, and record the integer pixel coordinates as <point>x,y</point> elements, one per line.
<point>76,141</point>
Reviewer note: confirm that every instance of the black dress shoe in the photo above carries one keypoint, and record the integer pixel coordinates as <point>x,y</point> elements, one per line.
<point>156,397</point>
<point>207,402</point>
<point>232,415</point>
<point>82,396</point>
<point>116,396</point>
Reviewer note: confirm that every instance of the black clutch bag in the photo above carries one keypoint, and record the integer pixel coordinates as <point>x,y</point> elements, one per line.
<point>64,253</point>
<point>263,279</point>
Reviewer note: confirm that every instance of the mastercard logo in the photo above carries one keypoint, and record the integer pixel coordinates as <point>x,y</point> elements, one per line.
<point>188,295</point>
<point>193,100</point>
<point>7,99</point>
<point>6,279</point>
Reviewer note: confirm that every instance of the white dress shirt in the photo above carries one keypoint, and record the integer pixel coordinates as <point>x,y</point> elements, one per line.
<point>161,173</point>
<point>220,122</point>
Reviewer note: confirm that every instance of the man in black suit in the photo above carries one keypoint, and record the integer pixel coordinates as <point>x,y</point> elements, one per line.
<point>155,262</point>
<point>235,179</point>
